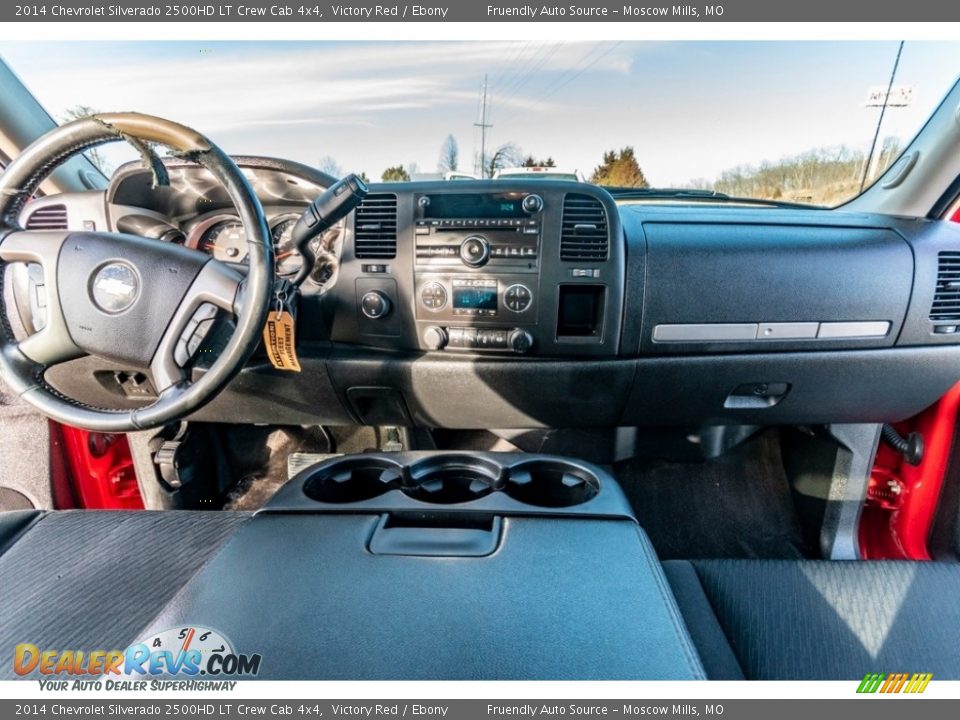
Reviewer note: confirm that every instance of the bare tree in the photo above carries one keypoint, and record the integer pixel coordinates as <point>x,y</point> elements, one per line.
<point>449,155</point>
<point>330,166</point>
<point>826,175</point>
<point>507,155</point>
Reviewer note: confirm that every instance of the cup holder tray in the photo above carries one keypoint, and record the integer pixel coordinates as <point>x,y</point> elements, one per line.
<point>451,482</point>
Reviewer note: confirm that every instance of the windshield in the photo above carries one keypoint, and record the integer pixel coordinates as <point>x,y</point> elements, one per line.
<point>808,122</point>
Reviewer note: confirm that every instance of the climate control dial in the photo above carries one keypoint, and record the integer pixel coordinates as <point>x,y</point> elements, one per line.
<point>520,341</point>
<point>517,298</point>
<point>433,295</point>
<point>435,338</point>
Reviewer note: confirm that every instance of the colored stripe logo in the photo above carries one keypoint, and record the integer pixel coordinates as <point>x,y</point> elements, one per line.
<point>894,683</point>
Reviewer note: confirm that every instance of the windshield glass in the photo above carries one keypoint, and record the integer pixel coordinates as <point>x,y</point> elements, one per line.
<point>808,122</point>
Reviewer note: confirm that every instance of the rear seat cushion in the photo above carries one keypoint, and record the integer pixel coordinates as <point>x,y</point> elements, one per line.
<point>820,620</point>
<point>89,579</point>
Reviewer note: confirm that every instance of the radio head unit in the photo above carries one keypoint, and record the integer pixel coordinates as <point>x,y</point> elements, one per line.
<point>487,206</point>
<point>472,230</point>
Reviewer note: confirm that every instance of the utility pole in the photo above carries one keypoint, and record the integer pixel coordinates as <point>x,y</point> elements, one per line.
<point>883,109</point>
<point>483,125</point>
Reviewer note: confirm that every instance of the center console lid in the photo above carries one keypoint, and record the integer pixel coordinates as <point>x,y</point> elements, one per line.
<point>443,566</point>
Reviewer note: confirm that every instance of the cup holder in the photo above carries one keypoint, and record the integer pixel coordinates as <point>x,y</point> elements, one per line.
<point>401,482</point>
<point>452,479</point>
<point>353,480</point>
<point>551,484</point>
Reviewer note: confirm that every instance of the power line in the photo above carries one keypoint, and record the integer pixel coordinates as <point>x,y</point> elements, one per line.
<point>548,52</point>
<point>566,78</point>
<point>507,66</point>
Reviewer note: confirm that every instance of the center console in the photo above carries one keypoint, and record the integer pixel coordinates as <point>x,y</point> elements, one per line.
<point>444,566</point>
<point>485,267</point>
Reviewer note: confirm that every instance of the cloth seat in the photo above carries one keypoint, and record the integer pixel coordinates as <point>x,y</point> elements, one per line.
<point>820,620</point>
<point>88,579</point>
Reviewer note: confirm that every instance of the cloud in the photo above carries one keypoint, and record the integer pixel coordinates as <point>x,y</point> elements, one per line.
<point>230,84</point>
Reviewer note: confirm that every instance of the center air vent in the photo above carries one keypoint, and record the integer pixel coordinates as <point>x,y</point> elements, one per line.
<point>375,227</point>
<point>50,217</point>
<point>946,301</point>
<point>584,235</point>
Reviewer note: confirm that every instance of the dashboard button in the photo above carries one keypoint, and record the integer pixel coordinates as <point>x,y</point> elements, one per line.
<point>517,298</point>
<point>520,341</point>
<point>533,203</point>
<point>435,338</point>
<point>475,251</point>
<point>375,304</point>
<point>433,296</point>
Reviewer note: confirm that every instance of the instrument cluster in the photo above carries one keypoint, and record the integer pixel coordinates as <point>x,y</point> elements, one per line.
<point>223,236</point>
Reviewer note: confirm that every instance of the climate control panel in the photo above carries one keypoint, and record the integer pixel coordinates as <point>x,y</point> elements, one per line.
<point>479,298</point>
<point>471,338</point>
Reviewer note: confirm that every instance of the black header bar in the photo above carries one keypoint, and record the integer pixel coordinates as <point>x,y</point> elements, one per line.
<point>640,11</point>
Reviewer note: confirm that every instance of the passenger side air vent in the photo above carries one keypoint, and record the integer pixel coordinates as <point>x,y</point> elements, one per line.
<point>375,227</point>
<point>946,301</point>
<point>584,235</point>
<point>50,217</point>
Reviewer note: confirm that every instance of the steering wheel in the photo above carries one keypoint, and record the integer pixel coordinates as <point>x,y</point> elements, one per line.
<point>130,299</point>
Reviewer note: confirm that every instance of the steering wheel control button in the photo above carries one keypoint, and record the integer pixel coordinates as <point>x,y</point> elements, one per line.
<point>475,251</point>
<point>375,305</point>
<point>517,298</point>
<point>115,287</point>
<point>433,296</point>
<point>194,333</point>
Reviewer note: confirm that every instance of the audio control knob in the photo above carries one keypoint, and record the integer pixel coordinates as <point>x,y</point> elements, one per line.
<point>475,251</point>
<point>435,337</point>
<point>520,341</point>
<point>532,204</point>
<point>375,304</point>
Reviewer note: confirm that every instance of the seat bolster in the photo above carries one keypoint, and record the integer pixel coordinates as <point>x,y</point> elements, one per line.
<point>13,524</point>
<point>712,645</point>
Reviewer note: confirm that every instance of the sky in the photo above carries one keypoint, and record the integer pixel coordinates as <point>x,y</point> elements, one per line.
<point>690,109</point>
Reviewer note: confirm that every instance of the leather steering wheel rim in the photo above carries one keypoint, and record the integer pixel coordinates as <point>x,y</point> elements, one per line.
<point>166,280</point>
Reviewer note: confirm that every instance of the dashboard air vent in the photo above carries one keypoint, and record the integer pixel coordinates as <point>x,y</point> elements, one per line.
<point>49,217</point>
<point>584,235</point>
<point>375,227</point>
<point>946,301</point>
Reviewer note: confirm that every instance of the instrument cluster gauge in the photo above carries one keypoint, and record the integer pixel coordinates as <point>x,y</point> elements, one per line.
<point>289,260</point>
<point>223,237</point>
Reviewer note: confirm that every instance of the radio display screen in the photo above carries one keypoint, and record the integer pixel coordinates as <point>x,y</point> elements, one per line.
<point>475,298</point>
<point>475,205</point>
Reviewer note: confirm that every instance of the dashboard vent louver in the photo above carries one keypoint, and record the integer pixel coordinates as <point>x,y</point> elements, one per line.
<point>375,227</point>
<point>584,235</point>
<point>50,217</point>
<point>946,301</point>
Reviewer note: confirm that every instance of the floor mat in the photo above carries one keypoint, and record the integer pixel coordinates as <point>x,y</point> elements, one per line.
<point>737,506</point>
<point>24,455</point>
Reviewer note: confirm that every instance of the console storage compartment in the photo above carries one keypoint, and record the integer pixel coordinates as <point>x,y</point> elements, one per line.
<point>444,566</point>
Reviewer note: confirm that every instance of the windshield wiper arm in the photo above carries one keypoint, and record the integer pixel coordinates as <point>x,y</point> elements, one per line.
<point>697,195</point>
